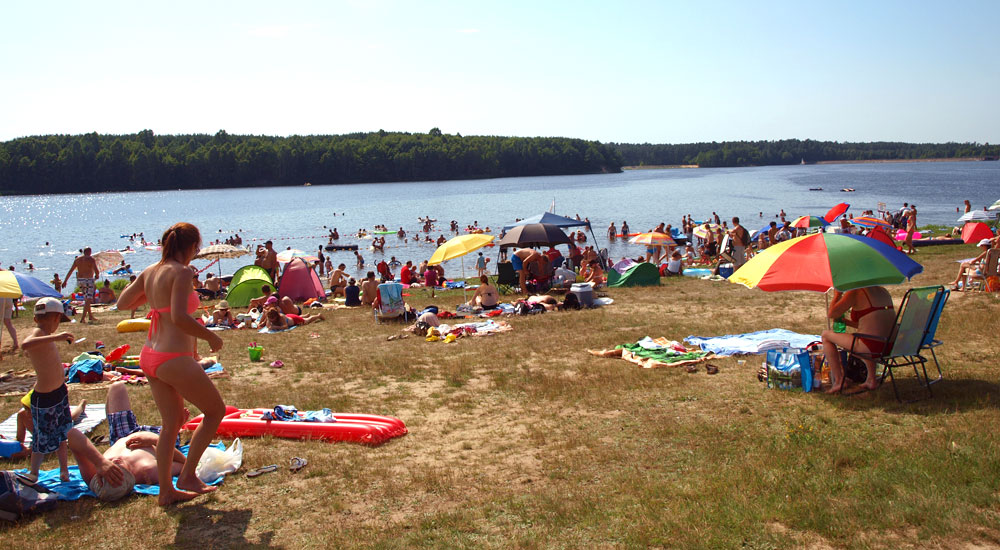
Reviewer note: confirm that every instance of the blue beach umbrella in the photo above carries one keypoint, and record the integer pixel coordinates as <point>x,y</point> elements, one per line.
<point>16,285</point>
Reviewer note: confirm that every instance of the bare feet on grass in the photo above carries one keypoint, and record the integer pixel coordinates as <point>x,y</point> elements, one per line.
<point>171,496</point>
<point>195,485</point>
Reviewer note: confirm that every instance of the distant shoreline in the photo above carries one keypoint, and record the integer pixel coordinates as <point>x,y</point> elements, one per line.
<point>872,161</point>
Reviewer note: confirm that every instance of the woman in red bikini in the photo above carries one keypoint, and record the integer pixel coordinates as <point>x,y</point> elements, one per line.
<point>872,314</point>
<point>168,360</point>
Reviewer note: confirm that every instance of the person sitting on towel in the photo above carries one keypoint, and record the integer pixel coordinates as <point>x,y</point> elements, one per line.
<point>486,295</point>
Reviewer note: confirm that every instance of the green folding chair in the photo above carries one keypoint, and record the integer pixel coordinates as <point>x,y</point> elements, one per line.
<point>917,315</point>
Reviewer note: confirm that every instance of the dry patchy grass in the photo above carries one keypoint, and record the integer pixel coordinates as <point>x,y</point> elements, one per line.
<point>524,440</point>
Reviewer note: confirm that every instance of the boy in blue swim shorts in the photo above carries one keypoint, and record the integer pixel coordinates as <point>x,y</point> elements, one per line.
<point>50,412</point>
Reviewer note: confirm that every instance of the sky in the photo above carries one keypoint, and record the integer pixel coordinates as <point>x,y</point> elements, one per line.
<point>621,71</point>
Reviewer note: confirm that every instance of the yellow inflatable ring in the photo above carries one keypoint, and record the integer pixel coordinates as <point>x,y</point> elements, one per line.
<point>133,325</point>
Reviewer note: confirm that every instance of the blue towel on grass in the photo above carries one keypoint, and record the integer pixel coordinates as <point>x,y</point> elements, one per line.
<point>76,488</point>
<point>731,344</point>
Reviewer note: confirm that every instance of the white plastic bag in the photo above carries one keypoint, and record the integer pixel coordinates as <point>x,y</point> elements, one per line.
<point>215,463</point>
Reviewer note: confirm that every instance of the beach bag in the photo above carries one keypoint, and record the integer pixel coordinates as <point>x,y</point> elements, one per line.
<point>86,371</point>
<point>789,368</point>
<point>17,499</point>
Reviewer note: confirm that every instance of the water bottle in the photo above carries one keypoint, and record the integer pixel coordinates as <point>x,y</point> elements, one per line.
<point>839,325</point>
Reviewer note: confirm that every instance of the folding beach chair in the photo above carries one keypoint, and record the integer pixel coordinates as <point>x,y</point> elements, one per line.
<point>930,342</point>
<point>918,312</point>
<point>506,278</point>
<point>389,302</point>
<point>990,268</point>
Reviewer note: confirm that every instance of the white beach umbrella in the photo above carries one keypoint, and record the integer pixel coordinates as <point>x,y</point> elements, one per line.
<point>994,206</point>
<point>978,216</point>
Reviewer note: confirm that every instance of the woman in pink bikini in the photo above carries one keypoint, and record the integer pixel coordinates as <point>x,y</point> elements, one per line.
<point>872,314</point>
<point>168,360</point>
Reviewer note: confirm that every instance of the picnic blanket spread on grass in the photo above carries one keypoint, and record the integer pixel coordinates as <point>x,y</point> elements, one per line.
<point>76,488</point>
<point>752,342</point>
<point>651,353</point>
<point>92,416</point>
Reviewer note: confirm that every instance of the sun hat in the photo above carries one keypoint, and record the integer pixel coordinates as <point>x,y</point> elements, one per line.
<point>222,306</point>
<point>984,242</point>
<point>108,492</point>
<point>271,300</point>
<point>50,305</point>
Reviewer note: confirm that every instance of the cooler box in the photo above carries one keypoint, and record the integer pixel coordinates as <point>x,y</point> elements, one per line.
<point>725,270</point>
<point>584,293</point>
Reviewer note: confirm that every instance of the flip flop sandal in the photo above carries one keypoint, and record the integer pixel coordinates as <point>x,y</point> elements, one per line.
<point>691,368</point>
<point>712,369</point>
<point>26,479</point>
<point>277,364</point>
<point>100,440</point>
<point>262,470</point>
<point>297,463</point>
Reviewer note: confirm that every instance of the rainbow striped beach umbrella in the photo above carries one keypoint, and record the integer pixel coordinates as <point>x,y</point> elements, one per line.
<point>870,222</point>
<point>809,222</point>
<point>823,261</point>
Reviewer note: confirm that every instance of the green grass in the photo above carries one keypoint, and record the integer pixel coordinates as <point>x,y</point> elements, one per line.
<point>524,440</point>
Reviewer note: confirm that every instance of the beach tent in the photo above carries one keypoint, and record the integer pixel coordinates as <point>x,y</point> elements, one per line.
<point>299,282</point>
<point>642,274</point>
<point>245,285</point>
<point>551,219</point>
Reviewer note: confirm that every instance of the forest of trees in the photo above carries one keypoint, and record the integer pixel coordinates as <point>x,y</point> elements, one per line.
<point>791,151</point>
<point>145,161</point>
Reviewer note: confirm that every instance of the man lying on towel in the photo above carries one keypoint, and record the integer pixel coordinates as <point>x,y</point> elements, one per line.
<point>132,456</point>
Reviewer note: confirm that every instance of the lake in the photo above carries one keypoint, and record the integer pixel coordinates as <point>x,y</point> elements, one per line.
<point>298,217</point>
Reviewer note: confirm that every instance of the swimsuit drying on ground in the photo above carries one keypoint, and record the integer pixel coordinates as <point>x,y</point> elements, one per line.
<point>150,359</point>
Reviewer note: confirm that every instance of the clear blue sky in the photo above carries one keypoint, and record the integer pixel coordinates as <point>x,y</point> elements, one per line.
<point>661,72</point>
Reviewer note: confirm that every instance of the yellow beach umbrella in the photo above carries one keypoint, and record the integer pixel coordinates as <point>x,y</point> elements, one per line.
<point>705,230</point>
<point>459,246</point>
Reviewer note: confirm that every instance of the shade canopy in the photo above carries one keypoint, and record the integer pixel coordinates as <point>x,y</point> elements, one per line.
<point>806,222</point>
<point>220,251</point>
<point>459,246</point>
<point>534,234</point>
<point>108,259</point>
<point>979,216</point>
<point>870,222</point>
<point>551,219</point>
<point>653,239</point>
<point>973,232</point>
<point>16,285</point>
<point>836,212</point>
<point>822,261</point>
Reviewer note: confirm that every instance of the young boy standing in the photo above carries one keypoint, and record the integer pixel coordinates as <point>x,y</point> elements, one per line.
<point>50,401</point>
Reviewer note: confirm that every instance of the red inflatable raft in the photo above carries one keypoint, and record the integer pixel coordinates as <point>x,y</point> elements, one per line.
<point>367,429</point>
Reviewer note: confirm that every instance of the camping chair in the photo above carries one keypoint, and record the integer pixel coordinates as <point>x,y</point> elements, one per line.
<point>506,278</point>
<point>389,302</point>
<point>917,313</point>
<point>930,342</point>
<point>989,268</point>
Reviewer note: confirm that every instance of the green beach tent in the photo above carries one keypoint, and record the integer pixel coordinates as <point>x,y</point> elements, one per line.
<point>644,274</point>
<point>246,284</point>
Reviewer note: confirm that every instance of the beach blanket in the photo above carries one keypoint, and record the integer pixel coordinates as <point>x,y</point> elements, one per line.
<point>92,416</point>
<point>752,342</point>
<point>651,353</point>
<point>76,488</point>
<point>266,330</point>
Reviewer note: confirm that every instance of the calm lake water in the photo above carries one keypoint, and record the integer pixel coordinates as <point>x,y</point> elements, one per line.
<point>297,217</point>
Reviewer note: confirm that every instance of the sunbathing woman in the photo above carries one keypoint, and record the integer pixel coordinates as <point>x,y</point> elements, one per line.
<point>486,295</point>
<point>873,315</point>
<point>279,321</point>
<point>168,360</point>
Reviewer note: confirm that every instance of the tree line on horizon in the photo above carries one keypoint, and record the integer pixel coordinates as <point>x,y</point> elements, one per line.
<point>792,151</point>
<point>145,161</point>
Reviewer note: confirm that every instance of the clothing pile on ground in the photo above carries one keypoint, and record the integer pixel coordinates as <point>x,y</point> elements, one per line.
<point>651,353</point>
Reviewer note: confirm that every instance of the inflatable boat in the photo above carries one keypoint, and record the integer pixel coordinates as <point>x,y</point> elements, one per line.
<point>367,429</point>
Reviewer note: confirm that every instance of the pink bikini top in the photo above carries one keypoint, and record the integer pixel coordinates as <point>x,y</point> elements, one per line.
<point>194,302</point>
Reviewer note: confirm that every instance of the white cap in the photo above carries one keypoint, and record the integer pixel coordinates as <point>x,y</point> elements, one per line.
<point>50,305</point>
<point>984,242</point>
